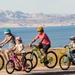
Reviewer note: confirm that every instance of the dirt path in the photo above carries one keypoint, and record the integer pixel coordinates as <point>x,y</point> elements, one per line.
<point>43,71</point>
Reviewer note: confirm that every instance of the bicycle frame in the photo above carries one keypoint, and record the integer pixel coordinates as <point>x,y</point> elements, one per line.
<point>37,50</point>
<point>14,57</point>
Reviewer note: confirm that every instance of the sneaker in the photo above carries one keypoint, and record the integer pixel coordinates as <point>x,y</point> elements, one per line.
<point>46,62</point>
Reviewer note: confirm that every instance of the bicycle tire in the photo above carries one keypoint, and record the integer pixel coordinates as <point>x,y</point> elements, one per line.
<point>1,64</point>
<point>29,67</point>
<point>51,60</point>
<point>60,63</point>
<point>12,66</point>
<point>34,61</point>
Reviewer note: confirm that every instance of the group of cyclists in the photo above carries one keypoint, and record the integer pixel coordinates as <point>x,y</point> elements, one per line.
<point>15,43</point>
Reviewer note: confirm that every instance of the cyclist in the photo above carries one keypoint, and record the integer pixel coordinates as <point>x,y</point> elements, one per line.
<point>72,44</point>
<point>18,49</point>
<point>44,43</point>
<point>71,53</point>
<point>9,40</point>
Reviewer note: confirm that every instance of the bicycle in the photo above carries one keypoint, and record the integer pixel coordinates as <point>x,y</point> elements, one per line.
<point>1,58</point>
<point>49,62</point>
<point>14,63</point>
<point>66,60</point>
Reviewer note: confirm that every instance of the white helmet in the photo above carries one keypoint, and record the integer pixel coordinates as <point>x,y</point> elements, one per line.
<point>18,38</point>
<point>72,38</point>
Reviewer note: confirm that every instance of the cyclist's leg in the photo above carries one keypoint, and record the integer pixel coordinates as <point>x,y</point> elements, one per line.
<point>44,50</point>
<point>72,53</point>
<point>69,53</point>
<point>40,48</point>
<point>6,54</point>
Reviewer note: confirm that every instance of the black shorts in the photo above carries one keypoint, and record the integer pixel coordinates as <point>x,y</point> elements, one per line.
<point>44,47</point>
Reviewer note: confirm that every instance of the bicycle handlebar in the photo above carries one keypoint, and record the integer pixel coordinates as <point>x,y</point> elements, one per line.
<point>67,46</point>
<point>34,46</point>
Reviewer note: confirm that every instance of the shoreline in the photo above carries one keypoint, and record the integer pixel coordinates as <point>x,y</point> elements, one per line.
<point>34,26</point>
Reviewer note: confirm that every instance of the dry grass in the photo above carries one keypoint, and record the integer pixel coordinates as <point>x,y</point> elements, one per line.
<point>58,51</point>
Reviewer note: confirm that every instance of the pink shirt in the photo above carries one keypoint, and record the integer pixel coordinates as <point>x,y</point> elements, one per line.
<point>45,41</point>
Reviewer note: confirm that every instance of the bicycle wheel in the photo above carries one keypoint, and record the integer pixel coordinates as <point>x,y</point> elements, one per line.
<point>64,62</point>
<point>52,59</point>
<point>28,65</point>
<point>10,67</point>
<point>33,58</point>
<point>1,62</point>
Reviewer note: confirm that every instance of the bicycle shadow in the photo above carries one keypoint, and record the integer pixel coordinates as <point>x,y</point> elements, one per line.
<point>51,73</point>
<point>55,73</point>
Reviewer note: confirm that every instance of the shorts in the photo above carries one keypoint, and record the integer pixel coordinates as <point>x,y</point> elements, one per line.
<point>70,53</point>
<point>44,47</point>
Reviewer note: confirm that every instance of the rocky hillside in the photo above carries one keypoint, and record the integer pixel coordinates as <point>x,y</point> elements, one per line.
<point>18,18</point>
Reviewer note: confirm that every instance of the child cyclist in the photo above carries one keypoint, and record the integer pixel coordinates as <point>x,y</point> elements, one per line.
<point>72,45</point>
<point>44,43</point>
<point>19,49</point>
<point>71,52</point>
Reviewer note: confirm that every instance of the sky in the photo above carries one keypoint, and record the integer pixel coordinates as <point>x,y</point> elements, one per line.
<point>39,6</point>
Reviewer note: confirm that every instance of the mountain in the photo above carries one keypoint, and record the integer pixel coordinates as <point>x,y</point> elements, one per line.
<point>18,18</point>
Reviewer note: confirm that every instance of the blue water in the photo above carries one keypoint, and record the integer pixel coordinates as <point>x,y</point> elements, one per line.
<point>59,35</point>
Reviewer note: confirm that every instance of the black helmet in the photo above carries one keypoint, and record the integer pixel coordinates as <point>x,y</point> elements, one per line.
<point>72,38</point>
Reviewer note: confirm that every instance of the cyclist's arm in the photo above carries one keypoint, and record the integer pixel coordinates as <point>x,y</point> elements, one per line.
<point>3,41</point>
<point>6,40</point>
<point>34,39</point>
<point>13,48</point>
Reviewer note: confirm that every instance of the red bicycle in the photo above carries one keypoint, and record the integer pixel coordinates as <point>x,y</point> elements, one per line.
<point>14,63</point>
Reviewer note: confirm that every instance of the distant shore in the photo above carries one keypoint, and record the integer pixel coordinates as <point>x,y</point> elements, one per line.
<point>14,25</point>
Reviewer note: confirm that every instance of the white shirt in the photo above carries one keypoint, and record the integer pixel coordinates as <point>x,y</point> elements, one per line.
<point>20,48</point>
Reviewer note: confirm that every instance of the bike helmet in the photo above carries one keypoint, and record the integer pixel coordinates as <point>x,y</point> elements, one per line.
<point>7,31</point>
<point>72,38</point>
<point>39,28</point>
<point>18,38</point>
